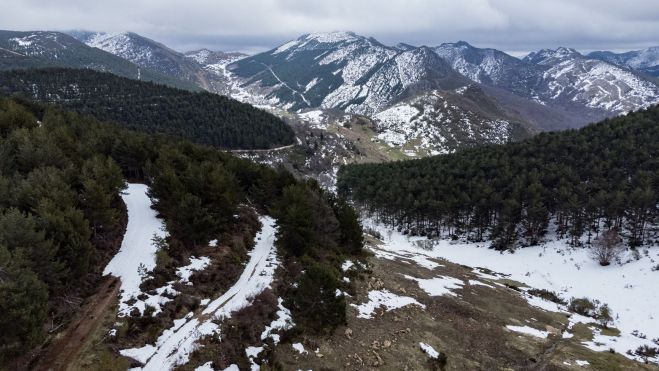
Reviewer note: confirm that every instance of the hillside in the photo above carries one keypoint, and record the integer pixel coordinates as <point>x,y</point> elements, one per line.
<point>63,216</point>
<point>150,54</point>
<point>601,177</point>
<point>202,117</point>
<point>645,60</point>
<point>39,49</point>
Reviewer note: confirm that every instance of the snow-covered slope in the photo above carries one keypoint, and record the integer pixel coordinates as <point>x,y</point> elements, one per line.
<point>207,57</point>
<point>150,54</point>
<point>561,78</point>
<point>214,64</point>
<point>433,122</point>
<point>645,60</point>
<point>491,67</point>
<point>571,77</point>
<point>626,287</point>
<point>341,70</point>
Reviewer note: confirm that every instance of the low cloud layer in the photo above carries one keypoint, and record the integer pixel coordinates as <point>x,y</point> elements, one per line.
<point>253,25</point>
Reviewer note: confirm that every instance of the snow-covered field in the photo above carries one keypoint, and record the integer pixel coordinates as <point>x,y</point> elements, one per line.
<point>137,255</point>
<point>175,344</point>
<point>630,288</point>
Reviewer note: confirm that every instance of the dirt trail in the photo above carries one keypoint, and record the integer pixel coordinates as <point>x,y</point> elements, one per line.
<point>261,150</point>
<point>66,348</point>
<point>176,343</point>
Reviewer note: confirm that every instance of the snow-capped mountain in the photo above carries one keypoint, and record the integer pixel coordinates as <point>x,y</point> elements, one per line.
<point>562,78</point>
<point>645,60</point>
<point>55,49</point>
<point>342,70</point>
<point>569,77</point>
<point>491,67</point>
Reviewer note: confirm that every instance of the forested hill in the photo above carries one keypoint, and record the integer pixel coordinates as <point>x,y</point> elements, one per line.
<point>201,117</point>
<point>61,219</point>
<point>602,176</point>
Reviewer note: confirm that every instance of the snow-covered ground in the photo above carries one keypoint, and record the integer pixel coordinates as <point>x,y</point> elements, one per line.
<point>436,125</point>
<point>383,298</point>
<point>429,350</point>
<point>439,285</point>
<point>175,344</point>
<point>137,255</point>
<point>528,331</point>
<point>630,288</point>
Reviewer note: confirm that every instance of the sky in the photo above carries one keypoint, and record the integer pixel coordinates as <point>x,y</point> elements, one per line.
<point>515,26</point>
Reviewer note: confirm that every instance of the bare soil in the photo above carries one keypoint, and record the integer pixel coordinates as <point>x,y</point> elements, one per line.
<point>66,347</point>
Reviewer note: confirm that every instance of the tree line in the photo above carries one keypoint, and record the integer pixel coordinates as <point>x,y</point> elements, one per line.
<point>147,107</point>
<point>600,177</point>
<point>61,175</point>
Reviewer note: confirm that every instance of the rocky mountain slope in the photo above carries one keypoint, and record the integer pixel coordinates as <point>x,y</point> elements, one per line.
<point>645,60</point>
<point>569,77</point>
<point>443,121</point>
<point>207,57</point>
<point>214,63</point>
<point>491,67</point>
<point>150,54</point>
<point>36,49</point>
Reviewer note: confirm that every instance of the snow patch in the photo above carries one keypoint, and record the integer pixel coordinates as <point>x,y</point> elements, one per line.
<point>429,350</point>
<point>438,286</point>
<point>196,264</point>
<point>299,347</point>
<point>526,330</point>
<point>284,321</point>
<point>384,298</point>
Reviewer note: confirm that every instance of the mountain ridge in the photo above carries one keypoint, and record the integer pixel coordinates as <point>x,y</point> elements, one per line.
<point>38,49</point>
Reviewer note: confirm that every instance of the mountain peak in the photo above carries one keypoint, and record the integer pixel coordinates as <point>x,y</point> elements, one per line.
<point>330,37</point>
<point>459,45</point>
<point>322,41</point>
<point>545,56</point>
<point>404,47</point>
<point>462,43</point>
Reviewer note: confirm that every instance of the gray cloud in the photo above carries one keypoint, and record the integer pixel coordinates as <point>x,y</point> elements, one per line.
<point>252,25</point>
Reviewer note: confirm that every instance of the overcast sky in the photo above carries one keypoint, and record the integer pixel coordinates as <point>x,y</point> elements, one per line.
<point>516,26</point>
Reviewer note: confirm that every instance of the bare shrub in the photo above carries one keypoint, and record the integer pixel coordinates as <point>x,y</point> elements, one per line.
<point>607,247</point>
<point>647,352</point>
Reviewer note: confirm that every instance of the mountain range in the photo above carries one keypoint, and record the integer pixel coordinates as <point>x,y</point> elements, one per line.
<point>41,49</point>
<point>346,72</point>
